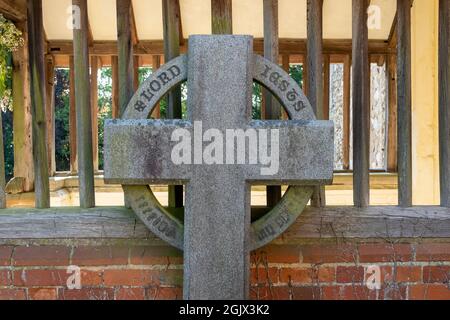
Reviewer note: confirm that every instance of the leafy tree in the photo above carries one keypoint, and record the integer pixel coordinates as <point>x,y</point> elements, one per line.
<point>10,40</point>
<point>62,109</point>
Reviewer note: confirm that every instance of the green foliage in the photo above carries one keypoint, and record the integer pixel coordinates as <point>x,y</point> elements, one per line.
<point>104,108</point>
<point>62,100</point>
<point>7,122</point>
<point>10,40</point>
<point>296,72</point>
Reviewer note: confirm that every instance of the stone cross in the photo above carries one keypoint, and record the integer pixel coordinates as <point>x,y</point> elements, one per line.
<point>217,204</point>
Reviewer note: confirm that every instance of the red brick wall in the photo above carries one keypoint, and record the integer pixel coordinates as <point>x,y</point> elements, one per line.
<point>307,271</point>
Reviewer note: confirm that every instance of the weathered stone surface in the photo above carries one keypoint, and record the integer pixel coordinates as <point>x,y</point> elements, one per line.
<point>138,152</point>
<point>15,185</point>
<point>217,237</point>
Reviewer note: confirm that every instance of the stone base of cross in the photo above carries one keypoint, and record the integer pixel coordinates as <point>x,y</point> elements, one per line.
<point>217,153</point>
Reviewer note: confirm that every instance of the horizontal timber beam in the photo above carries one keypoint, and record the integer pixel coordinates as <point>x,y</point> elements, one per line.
<point>287,46</point>
<point>14,10</point>
<point>315,223</point>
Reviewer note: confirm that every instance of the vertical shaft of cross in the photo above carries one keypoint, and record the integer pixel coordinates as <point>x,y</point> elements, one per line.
<point>216,226</point>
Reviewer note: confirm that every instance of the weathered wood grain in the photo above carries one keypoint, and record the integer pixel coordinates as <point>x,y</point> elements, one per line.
<point>115,87</point>
<point>50,113</point>
<point>37,77</point>
<point>125,53</point>
<point>23,146</point>
<point>272,108</point>
<point>391,75</point>
<point>315,73</point>
<point>72,118</point>
<point>346,112</point>
<point>290,46</point>
<point>315,223</point>
<point>171,27</point>
<point>444,101</point>
<point>404,116</point>
<point>94,106</point>
<point>83,108</point>
<point>221,17</point>
<point>156,64</point>
<point>361,104</point>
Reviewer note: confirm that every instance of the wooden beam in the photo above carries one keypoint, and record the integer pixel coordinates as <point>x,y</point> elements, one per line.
<point>72,119</point>
<point>404,118</point>
<point>346,112</point>
<point>222,16</point>
<point>285,62</point>
<point>83,108</point>
<point>444,101</point>
<point>94,105</point>
<point>136,65</point>
<point>125,53</point>
<point>180,25</point>
<point>361,104</point>
<point>37,76</point>
<point>392,39</point>
<point>14,10</point>
<point>314,62</point>
<point>171,27</point>
<point>272,108</point>
<point>134,33</point>
<point>115,87</point>
<point>156,64</point>
<point>23,145</point>
<point>2,168</point>
<point>392,113</point>
<point>326,87</point>
<point>50,113</point>
<point>286,46</point>
<point>335,224</point>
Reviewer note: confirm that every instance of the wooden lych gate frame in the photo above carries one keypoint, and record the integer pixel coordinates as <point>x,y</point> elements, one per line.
<point>128,53</point>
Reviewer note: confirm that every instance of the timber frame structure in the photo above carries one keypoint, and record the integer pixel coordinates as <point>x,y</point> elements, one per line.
<point>33,74</point>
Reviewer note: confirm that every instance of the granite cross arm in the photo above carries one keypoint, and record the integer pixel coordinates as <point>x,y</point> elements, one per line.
<point>141,153</point>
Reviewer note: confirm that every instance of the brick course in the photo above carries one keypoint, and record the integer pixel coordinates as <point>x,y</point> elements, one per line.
<point>298,272</point>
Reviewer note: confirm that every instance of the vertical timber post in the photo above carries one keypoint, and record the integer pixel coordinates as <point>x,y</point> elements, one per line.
<point>326,87</point>
<point>72,119</point>
<point>361,104</point>
<point>392,113</point>
<point>83,108</point>
<point>221,17</point>
<point>346,111</point>
<point>444,101</point>
<point>156,64</point>
<point>136,73</point>
<point>125,57</point>
<point>124,53</point>
<point>404,116</point>
<point>115,87</point>
<point>315,74</point>
<point>271,105</point>
<point>94,105</point>
<point>50,114</point>
<point>2,167</point>
<point>37,76</point>
<point>171,26</point>
<point>23,146</point>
